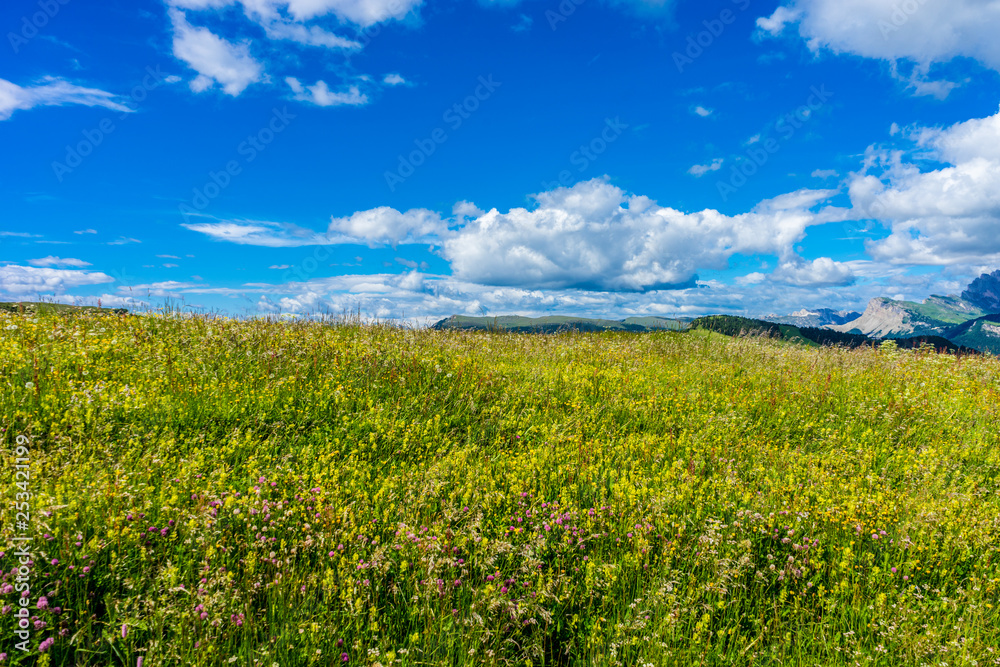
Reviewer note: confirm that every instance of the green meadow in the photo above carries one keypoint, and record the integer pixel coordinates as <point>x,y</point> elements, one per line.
<point>209,491</point>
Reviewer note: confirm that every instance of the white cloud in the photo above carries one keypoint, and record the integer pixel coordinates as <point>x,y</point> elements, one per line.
<point>824,173</point>
<point>215,59</point>
<point>308,35</point>
<point>258,233</point>
<point>124,240</point>
<point>822,271</point>
<point>754,278</point>
<point>52,91</point>
<point>775,24</point>
<point>393,80</point>
<point>23,280</point>
<point>594,235</point>
<point>359,12</point>
<point>59,262</point>
<point>702,111</point>
<point>321,95</point>
<point>944,216</point>
<point>387,226</point>
<point>920,32</point>
<point>86,231</point>
<point>166,288</point>
<point>700,170</point>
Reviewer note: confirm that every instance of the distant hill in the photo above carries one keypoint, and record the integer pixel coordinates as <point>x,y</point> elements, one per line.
<point>32,307</point>
<point>982,333</point>
<point>818,317</point>
<point>555,323</point>
<point>731,325</point>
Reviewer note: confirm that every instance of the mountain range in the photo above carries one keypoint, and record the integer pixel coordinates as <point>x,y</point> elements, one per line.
<point>970,321</point>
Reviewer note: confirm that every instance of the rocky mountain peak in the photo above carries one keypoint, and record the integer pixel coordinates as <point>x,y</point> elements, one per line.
<point>984,292</point>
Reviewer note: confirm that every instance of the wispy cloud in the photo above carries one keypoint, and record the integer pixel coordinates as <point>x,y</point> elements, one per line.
<point>60,262</point>
<point>700,170</point>
<point>53,91</point>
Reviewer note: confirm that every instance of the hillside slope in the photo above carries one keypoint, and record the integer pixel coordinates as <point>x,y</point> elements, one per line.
<point>741,326</point>
<point>553,324</point>
<point>982,334</point>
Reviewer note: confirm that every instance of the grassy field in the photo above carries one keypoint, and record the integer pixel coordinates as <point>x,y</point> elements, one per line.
<point>218,492</point>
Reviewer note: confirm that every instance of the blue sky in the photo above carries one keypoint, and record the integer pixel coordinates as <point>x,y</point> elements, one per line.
<point>413,159</point>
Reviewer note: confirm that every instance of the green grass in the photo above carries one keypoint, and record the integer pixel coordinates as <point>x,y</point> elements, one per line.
<point>401,497</point>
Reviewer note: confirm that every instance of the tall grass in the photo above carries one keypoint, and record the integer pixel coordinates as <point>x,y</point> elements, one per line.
<point>213,492</point>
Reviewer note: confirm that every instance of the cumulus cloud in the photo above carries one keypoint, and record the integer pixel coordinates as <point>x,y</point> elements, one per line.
<point>53,91</point>
<point>216,60</point>
<point>21,280</point>
<point>596,236</point>
<point>920,32</point>
<point>944,216</point>
<point>822,271</point>
<point>387,226</point>
<point>321,95</point>
<point>590,236</point>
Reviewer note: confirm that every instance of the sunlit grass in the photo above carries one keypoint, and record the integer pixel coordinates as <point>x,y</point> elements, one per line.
<point>261,493</point>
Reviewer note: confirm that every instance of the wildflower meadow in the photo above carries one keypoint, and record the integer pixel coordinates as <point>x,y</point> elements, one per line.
<point>211,491</point>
